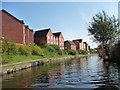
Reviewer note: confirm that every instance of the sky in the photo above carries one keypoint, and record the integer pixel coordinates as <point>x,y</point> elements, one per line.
<point>71,18</point>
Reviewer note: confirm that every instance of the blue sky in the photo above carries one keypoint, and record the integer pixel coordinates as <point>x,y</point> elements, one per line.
<point>71,18</point>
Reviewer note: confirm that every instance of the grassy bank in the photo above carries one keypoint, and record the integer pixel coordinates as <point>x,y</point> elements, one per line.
<point>12,53</point>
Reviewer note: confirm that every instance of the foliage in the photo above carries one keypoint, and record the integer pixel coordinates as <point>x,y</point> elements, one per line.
<point>49,48</point>
<point>25,50</point>
<point>17,53</point>
<point>115,53</point>
<point>104,30</point>
<point>82,52</point>
<point>53,49</point>
<point>71,52</point>
<point>36,50</point>
<point>9,48</point>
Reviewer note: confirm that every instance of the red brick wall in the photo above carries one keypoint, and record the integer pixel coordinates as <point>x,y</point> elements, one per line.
<point>40,40</point>
<point>73,47</point>
<point>56,40</point>
<point>26,35</point>
<point>61,42</point>
<point>12,29</point>
<point>77,44</point>
<point>50,38</point>
<point>31,37</point>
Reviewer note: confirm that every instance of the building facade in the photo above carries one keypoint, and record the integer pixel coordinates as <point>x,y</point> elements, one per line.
<point>46,36</point>
<point>70,45</point>
<point>42,37</point>
<point>79,44</point>
<point>14,29</point>
<point>59,40</point>
<point>85,45</point>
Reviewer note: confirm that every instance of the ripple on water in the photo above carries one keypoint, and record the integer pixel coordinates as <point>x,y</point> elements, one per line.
<point>41,85</point>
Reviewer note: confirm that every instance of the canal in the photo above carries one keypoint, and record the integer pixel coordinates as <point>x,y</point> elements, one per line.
<point>84,72</point>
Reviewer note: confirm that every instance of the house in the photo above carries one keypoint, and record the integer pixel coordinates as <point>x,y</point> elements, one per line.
<point>88,47</point>
<point>79,44</point>
<point>31,36</point>
<point>59,40</point>
<point>42,37</point>
<point>70,45</point>
<point>85,46</point>
<point>14,29</point>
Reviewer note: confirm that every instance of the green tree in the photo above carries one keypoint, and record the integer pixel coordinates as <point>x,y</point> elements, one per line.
<point>104,30</point>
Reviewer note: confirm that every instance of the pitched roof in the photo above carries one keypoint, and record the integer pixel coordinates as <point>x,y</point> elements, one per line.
<point>21,21</point>
<point>85,43</point>
<point>57,34</point>
<point>41,32</point>
<point>28,28</point>
<point>79,40</point>
<point>70,42</point>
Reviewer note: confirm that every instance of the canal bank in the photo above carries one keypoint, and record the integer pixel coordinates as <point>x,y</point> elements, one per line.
<point>83,73</point>
<point>15,67</point>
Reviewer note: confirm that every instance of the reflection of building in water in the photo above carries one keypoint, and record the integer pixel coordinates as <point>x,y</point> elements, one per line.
<point>83,63</point>
<point>62,68</point>
<point>51,78</point>
<point>74,64</point>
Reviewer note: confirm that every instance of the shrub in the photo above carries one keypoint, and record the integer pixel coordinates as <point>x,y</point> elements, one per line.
<point>55,47</point>
<point>60,52</point>
<point>24,50</point>
<point>36,50</point>
<point>49,48</point>
<point>82,52</point>
<point>71,52</point>
<point>9,48</point>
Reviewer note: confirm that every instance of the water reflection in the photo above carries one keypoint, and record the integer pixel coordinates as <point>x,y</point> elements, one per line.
<point>86,72</point>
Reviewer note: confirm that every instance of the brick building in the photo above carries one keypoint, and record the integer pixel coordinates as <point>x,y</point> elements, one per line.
<point>70,45</point>
<point>46,36</point>
<point>42,37</point>
<point>85,45</point>
<point>14,29</point>
<point>59,40</point>
<point>88,48</point>
<point>79,44</point>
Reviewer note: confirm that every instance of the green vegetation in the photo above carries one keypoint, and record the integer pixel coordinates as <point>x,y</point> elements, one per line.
<point>12,53</point>
<point>104,30</point>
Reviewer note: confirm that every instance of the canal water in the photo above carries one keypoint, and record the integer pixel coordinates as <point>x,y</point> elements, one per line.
<point>84,72</point>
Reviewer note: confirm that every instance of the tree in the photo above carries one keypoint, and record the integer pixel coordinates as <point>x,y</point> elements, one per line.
<point>104,30</point>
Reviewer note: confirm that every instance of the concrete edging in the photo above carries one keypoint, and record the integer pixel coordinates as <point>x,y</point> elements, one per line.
<point>19,67</point>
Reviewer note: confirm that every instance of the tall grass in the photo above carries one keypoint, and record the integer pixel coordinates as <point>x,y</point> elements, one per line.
<point>14,53</point>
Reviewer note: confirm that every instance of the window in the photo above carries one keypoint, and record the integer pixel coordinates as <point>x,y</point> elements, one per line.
<point>48,37</point>
<point>51,37</point>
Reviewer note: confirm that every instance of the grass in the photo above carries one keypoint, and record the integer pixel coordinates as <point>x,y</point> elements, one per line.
<point>18,58</point>
<point>21,59</point>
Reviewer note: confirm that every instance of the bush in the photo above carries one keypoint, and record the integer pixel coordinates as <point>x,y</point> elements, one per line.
<point>71,52</point>
<point>60,52</point>
<point>82,52</point>
<point>49,48</point>
<point>25,50</point>
<point>36,50</point>
<point>9,48</point>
